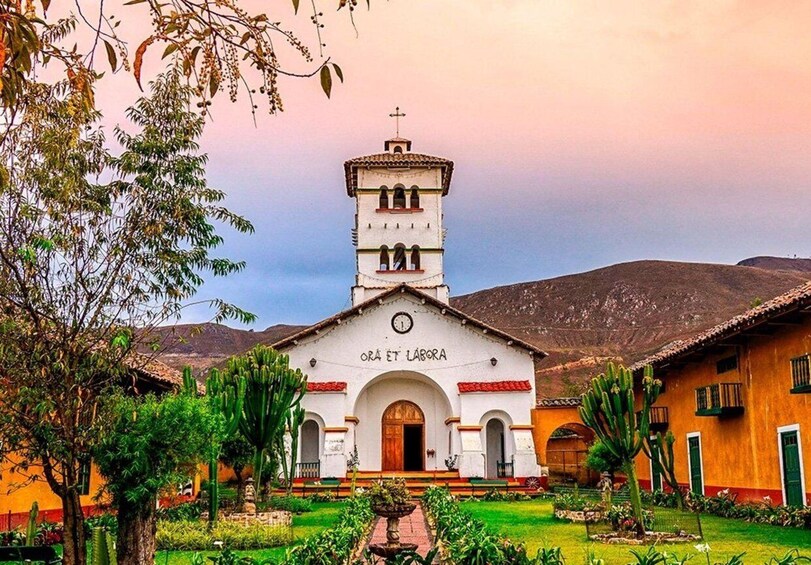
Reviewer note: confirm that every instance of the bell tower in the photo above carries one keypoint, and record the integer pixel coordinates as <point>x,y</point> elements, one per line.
<point>398,233</point>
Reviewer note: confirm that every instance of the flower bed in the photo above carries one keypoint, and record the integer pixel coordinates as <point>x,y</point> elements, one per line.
<point>725,505</point>
<point>462,539</point>
<point>337,544</point>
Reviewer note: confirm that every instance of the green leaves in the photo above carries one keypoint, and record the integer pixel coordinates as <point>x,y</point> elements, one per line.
<point>326,77</point>
<point>111,55</point>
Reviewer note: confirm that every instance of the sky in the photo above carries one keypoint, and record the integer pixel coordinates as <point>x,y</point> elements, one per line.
<point>584,133</point>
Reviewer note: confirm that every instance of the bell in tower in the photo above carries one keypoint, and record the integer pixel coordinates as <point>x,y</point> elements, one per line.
<point>398,232</point>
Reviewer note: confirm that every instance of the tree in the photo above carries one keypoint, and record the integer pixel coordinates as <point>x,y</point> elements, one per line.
<point>609,409</point>
<point>272,390</point>
<point>599,458</point>
<point>237,453</point>
<point>151,445</point>
<point>84,261</point>
<point>221,45</point>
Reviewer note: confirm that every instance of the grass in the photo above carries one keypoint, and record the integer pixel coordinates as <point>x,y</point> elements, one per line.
<point>533,523</point>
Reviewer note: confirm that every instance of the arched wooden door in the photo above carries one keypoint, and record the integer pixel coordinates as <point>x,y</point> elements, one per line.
<point>403,437</point>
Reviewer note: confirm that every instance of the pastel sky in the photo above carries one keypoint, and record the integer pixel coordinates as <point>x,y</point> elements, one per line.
<point>583,133</point>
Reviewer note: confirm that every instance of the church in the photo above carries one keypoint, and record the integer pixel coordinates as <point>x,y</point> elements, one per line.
<point>403,382</point>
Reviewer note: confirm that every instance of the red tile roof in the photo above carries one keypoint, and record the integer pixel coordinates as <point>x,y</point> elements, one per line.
<point>495,386</point>
<point>396,160</point>
<point>798,298</point>
<point>326,386</point>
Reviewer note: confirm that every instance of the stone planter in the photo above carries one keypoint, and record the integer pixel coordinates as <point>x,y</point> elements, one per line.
<point>579,515</point>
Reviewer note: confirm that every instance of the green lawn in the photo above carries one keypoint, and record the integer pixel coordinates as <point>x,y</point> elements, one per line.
<point>322,517</point>
<point>533,523</point>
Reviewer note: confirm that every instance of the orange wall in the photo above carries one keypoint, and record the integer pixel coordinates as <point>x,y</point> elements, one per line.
<point>546,421</point>
<point>741,452</point>
<point>15,500</point>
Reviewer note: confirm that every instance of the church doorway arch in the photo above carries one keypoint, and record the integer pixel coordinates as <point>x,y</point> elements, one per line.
<point>403,437</point>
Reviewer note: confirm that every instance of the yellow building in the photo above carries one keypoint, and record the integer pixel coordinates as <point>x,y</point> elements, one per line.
<point>737,397</point>
<point>18,492</point>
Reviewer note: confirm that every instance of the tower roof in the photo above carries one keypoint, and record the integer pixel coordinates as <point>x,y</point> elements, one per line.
<point>396,160</point>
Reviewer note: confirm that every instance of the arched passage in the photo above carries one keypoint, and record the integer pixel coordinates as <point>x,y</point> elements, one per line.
<point>391,387</point>
<point>495,442</point>
<point>566,451</point>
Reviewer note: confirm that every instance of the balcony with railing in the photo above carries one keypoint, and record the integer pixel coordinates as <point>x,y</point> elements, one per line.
<point>308,470</point>
<point>801,374</point>
<point>720,399</point>
<point>659,419</point>
<point>504,469</point>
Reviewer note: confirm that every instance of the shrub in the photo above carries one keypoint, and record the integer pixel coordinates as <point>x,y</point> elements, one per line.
<point>291,504</point>
<point>106,521</point>
<point>467,541</point>
<point>574,503</point>
<point>185,512</point>
<point>12,537</point>
<point>196,535</point>
<point>335,544</point>
<point>494,495</point>
<point>725,504</point>
<point>389,492</point>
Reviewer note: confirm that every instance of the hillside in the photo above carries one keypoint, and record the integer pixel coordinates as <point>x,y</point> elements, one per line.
<point>202,346</point>
<point>623,311</point>
<point>778,263</point>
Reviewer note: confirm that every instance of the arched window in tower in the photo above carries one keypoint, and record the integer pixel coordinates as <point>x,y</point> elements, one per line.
<point>384,258</point>
<point>399,197</point>
<point>384,198</point>
<point>398,149</point>
<point>400,257</point>
<point>415,258</point>
<point>415,198</point>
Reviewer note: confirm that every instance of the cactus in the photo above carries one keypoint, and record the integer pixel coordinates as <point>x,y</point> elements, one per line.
<point>272,390</point>
<point>609,409</point>
<point>664,464</point>
<point>295,418</point>
<point>226,397</point>
<point>31,529</point>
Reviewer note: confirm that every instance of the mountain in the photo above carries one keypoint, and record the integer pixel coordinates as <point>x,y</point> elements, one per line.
<point>619,312</point>
<point>778,263</point>
<point>623,311</point>
<point>202,346</point>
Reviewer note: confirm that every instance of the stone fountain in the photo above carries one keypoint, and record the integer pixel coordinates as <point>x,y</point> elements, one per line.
<point>390,500</point>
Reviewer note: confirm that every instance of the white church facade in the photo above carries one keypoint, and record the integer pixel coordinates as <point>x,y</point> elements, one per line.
<point>402,378</point>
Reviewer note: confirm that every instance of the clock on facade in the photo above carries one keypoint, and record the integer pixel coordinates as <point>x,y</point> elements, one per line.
<point>402,322</point>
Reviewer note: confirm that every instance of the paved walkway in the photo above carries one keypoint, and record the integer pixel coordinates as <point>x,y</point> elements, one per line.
<point>413,529</point>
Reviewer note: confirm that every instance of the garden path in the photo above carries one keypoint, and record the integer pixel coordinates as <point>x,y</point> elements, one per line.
<point>413,529</point>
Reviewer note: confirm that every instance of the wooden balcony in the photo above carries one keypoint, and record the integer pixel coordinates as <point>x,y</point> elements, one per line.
<point>659,419</point>
<point>801,374</point>
<point>720,399</point>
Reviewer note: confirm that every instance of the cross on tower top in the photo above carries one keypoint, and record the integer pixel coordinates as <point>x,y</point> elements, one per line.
<point>397,115</point>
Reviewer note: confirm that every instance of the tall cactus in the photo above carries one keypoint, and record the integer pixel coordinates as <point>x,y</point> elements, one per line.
<point>272,389</point>
<point>664,463</point>
<point>295,418</point>
<point>31,530</point>
<point>609,409</point>
<point>226,397</point>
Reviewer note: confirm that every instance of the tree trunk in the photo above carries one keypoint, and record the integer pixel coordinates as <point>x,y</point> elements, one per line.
<point>636,496</point>
<point>74,550</point>
<point>136,535</point>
